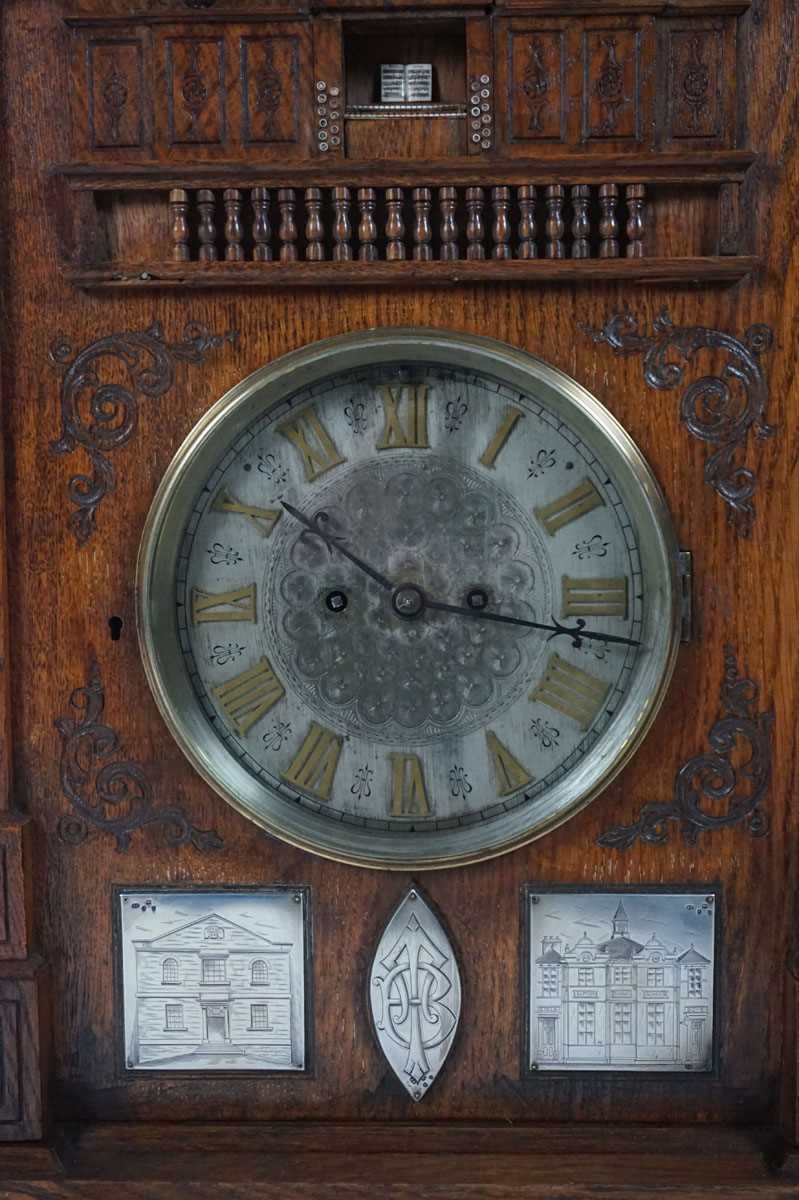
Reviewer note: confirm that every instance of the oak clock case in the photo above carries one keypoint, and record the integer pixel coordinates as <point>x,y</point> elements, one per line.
<point>408,598</point>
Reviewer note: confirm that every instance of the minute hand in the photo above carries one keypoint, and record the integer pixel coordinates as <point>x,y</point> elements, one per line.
<point>577,633</point>
<point>336,544</point>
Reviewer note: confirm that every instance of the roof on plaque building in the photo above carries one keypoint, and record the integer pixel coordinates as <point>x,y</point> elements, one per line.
<point>621,912</point>
<point>550,956</point>
<point>619,947</point>
<point>179,934</point>
<point>692,956</point>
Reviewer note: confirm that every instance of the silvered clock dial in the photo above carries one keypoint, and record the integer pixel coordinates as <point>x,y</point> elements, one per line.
<point>408,597</point>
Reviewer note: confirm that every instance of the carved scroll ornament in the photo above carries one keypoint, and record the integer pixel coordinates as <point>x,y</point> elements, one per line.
<point>114,797</point>
<point>719,409</point>
<point>149,363</point>
<point>714,777</point>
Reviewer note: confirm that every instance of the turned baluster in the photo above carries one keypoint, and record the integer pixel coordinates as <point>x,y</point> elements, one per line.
<point>261,229</point>
<point>636,194</point>
<point>608,221</point>
<point>422,228</point>
<point>367,227</point>
<point>314,229</point>
<point>206,229</point>
<point>581,225</point>
<point>234,230</point>
<point>179,212</point>
<point>555,225</point>
<point>287,233</point>
<point>342,227</point>
<point>447,200</point>
<point>395,226</point>
<point>475,230</point>
<point>500,199</point>
<point>526,195</point>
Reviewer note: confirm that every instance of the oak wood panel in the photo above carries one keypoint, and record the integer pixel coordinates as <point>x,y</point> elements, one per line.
<point>745,593</point>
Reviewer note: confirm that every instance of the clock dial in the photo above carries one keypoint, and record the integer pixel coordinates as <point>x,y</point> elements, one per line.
<point>408,597</point>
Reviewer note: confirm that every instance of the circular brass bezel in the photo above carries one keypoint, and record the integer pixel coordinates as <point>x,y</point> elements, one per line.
<point>163,660</point>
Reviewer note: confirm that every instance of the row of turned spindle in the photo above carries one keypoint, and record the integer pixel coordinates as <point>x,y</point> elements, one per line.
<point>555,226</point>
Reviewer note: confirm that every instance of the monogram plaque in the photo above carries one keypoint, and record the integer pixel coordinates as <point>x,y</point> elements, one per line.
<point>415,994</point>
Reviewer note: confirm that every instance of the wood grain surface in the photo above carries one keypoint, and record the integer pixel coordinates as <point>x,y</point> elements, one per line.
<point>60,597</point>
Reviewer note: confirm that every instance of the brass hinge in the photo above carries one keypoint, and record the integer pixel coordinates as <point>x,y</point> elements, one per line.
<point>686,571</point>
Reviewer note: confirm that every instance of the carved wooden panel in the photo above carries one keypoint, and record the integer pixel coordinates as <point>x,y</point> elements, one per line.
<point>537,97</point>
<point>13,917</point>
<point>195,96</point>
<point>20,1074</point>
<point>116,92</point>
<point>697,102</point>
<point>270,84</point>
<point>612,77</point>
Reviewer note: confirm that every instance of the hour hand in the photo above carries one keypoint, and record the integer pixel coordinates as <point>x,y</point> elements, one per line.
<point>334,542</point>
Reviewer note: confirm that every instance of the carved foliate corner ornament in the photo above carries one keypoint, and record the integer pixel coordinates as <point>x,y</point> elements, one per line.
<point>415,994</point>
<point>719,409</point>
<point>715,776</point>
<point>114,797</point>
<point>111,406</point>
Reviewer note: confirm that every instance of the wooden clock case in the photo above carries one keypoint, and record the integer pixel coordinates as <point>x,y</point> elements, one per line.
<point>122,118</point>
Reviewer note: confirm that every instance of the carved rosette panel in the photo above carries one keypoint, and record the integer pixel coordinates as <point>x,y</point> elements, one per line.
<point>611,84</point>
<point>415,994</point>
<point>270,80</point>
<point>107,793</point>
<point>695,60</point>
<point>724,786</point>
<point>537,93</point>
<point>720,409</point>
<point>99,414</point>
<point>115,103</point>
<point>195,91</point>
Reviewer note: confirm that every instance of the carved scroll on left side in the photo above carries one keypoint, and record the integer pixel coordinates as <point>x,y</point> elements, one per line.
<point>714,776</point>
<point>114,797</point>
<point>719,409</point>
<point>149,362</point>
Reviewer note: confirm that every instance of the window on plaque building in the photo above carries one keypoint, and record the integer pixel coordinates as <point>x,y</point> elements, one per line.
<point>694,981</point>
<point>586,1025</point>
<point>585,976</point>
<point>259,974</point>
<point>656,1024</point>
<point>622,974</point>
<point>623,1024</point>
<point>214,970</point>
<point>549,981</point>
<point>174,1016</point>
<point>169,971</point>
<point>259,1016</point>
<point>654,976</point>
<point>214,933</point>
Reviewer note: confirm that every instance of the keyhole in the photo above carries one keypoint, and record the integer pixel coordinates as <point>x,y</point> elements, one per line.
<point>115,628</point>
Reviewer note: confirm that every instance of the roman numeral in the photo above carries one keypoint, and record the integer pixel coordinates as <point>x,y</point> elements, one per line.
<point>508,771</point>
<point>489,455</point>
<point>245,698</point>
<point>570,690</point>
<point>568,508</point>
<point>238,605</point>
<point>593,597</point>
<point>317,449</point>
<point>408,791</point>
<point>314,766</point>
<point>395,435</point>
<point>264,519</point>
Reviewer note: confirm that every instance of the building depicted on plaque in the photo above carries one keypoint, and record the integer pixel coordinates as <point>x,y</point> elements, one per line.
<point>213,981</point>
<point>621,982</point>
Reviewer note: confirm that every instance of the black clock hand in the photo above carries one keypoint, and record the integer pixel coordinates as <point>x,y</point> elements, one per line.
<point>556,629</point>
<point>335,543</point>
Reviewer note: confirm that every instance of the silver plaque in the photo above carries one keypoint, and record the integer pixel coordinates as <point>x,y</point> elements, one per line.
<point>415,994</point>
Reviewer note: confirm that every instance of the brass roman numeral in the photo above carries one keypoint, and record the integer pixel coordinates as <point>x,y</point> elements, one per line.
<point>593,597</point>
<point>317,449</point>
<point>570,690</point>
<point>509,772</point>
<point>408,791</point>
<point>245,698</point>
<point>264,519</point>
<point>314,766</point>
<point>395,435</point>
<point>238,605</point>
<point>569,507</point>
<point>491,452</point>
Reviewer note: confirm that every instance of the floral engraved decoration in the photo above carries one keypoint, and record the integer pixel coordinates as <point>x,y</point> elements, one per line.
<point>115,96</point>
<point>695,85</point>
<point>536,85</point>
<point>268,91</point>
<point>609,87</point>
<point>100,416</point>
<point>114,797</point>
<point>193,89</point>
<point>715,777</point>
<point>720,409</point>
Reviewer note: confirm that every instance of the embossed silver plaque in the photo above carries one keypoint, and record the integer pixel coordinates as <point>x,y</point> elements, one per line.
<point>415,994</point>
<point>621,981</point>
<point>213,981</point>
